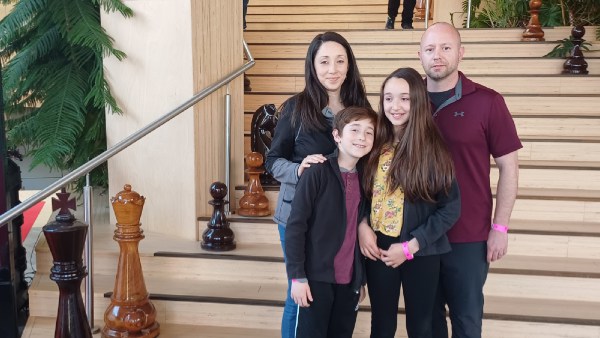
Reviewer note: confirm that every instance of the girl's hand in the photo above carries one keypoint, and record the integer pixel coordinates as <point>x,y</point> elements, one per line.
<point>394,256</point>
<point>300,293</point>
<point>308,160</point>
<point>367,240</point>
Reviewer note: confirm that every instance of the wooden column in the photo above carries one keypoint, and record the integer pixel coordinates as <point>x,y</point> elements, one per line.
<point>534,31</point>
<point>130,313</point>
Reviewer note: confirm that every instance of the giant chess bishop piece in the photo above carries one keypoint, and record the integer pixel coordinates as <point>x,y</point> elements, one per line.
<point>66,239</point>
<point>130,313</point>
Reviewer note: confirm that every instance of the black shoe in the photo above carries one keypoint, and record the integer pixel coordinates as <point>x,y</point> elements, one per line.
<point>407,26</point>
<point>389,24</point>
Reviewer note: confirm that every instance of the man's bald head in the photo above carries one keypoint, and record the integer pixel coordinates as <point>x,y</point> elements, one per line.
<point>440,53</point>
<point>442,29</point>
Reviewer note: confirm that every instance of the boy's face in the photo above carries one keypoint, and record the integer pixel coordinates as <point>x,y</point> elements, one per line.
<point>356,139</point>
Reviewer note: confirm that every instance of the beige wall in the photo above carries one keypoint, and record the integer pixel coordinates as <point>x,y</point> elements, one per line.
<point>174,48</point>
<point>442,10</point>
<point>4,9</point>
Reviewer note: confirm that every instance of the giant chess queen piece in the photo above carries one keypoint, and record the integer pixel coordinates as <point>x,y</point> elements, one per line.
<point>130,313</point>
<point>66,239</point>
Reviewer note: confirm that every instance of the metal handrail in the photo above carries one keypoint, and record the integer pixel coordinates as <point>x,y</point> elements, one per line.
<point>96,161</point>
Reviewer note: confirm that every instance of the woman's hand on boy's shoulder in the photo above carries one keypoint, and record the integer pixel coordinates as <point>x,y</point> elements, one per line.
<point>308,160</point>
<point>300,293</point>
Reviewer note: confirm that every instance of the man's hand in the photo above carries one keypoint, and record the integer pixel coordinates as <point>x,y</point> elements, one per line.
<point>367,240</point>
<point>300,293</point>
<point>497,245</point>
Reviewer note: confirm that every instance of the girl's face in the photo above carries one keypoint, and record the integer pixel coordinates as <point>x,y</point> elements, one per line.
<point>331,65</point>
<point>396,101</point>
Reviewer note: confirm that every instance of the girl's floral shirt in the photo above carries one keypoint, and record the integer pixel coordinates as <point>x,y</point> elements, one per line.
<point>386,207</point>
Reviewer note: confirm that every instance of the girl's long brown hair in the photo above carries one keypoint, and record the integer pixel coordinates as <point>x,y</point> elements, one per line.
<point>422,165</point>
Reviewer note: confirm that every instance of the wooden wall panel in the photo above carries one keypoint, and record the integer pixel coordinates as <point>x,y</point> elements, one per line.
<point>217,51</point>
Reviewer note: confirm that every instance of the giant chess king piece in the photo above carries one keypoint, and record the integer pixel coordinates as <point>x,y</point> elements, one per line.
<point>130,313</point>
<point>66,239</point>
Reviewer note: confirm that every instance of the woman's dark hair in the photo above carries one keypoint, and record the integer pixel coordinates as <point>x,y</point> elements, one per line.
<point>422,165</point>
<point>311,101</point>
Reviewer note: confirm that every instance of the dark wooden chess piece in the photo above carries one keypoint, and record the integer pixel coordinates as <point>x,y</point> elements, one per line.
<point>130,313</point>
<point>218,236</point>
<point>575,63</point>
<point>262,130</point>
<point>66,239</point>
<point>533,31</point>
<point>254,202</point>
<point>247,87</point>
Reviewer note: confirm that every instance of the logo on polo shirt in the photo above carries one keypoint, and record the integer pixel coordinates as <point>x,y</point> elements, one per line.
<point>459,113</point>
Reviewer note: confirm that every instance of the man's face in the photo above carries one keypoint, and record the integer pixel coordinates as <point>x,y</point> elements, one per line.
<point>440,52</point>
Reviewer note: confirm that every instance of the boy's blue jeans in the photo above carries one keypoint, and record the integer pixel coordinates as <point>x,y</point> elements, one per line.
<point>290,309</point>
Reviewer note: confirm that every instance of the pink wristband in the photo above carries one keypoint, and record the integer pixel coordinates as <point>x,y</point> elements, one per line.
<point>407,253</point>
<point>499,227</point>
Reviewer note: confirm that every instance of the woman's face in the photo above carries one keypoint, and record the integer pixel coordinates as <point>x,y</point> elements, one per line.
<point>396,101</point>
<point>331,65</point>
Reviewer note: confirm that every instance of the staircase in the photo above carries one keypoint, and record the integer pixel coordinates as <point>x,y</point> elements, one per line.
<point>547,286</point>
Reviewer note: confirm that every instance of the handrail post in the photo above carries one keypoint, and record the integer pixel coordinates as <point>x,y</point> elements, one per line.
<point>228,147</point>
<point>88,254</point>
<point>469,15</point>
<point>427,14</point>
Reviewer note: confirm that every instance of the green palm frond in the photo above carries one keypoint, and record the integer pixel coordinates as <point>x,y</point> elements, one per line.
<point>61,118</point>
<point>54,87</point>
<point>81,27</point>
<point>114,6</point>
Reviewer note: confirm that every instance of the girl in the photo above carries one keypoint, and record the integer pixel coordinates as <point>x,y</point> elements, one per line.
<point>414,201</point>
<point>304,133</point>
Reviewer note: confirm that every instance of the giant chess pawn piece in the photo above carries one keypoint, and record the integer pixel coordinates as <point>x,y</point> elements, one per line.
<point>533,31</point>
<point>218,236</point>
<point>575,63</point>
<point>130,313</point>
<point>66,239</point>
<point>254,202</point>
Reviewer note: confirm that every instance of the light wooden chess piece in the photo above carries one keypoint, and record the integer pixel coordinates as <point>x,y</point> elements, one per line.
<point>130,313</point>
<point>254,202</point>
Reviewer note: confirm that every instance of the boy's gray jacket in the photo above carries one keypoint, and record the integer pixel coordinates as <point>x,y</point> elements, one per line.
<point>291,144</point>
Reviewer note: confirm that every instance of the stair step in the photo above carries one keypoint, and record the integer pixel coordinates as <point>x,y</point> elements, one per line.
<point>379,35</point>
<point>519,105</point>
<point>188,300</point>
<point>400,50</point>
<point>547,204</point>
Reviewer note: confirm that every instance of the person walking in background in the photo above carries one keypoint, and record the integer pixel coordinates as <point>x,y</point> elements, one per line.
<point>475,124</point>
<point>408,9</point>
<point>323,258</point>
<point>303,135</point>
<point>245,10</point>
<point>414,201</point>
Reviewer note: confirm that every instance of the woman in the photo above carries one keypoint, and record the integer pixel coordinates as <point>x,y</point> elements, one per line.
<point>303,135</point>
<point>414,201</point>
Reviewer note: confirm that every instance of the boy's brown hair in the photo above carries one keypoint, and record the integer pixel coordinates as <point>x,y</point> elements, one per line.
<point>351,114</point>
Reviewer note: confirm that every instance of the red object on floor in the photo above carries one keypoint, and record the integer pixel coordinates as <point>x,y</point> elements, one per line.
<point>29,217</point>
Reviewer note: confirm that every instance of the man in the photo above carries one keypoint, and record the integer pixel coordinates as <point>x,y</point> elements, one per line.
<point>475,124</point>
<point>407,13</point>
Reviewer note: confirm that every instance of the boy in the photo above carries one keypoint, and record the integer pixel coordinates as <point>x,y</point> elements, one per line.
<point>323,257</point>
